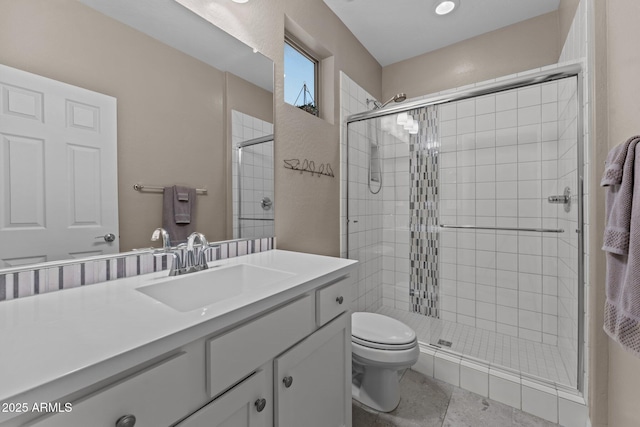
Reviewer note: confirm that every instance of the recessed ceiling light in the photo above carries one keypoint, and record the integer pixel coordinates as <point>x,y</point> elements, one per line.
<point>240,1</point>
<point>445,6</point>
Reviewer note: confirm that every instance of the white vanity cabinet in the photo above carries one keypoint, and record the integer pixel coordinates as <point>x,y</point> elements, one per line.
<point>286,366</point>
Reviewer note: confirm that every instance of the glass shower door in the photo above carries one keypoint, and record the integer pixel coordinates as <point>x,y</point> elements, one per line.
<point>508,247</point>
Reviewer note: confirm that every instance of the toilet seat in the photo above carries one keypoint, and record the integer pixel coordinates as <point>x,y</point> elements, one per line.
<point>382,346</point>
<point>381,332</point>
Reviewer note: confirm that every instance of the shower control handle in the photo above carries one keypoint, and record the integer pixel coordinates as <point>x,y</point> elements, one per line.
<point>287,381</point>
<point>558,199</point>
<point>563,199</point>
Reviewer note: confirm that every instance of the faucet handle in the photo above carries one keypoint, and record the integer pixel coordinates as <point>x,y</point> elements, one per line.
<point>166,240</point>
<point>177,263</point>
<point>203,253</point>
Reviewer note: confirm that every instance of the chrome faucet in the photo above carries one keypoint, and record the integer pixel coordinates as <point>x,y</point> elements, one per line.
<point>187,258</point>
<point>196,256</point>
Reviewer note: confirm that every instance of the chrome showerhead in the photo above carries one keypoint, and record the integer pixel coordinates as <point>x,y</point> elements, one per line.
<point>398,97</point>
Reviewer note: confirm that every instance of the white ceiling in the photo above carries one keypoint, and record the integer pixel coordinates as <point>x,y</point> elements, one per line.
<point>394,30</point>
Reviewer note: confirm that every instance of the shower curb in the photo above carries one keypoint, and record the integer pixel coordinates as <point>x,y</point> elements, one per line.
<point>551,401</point>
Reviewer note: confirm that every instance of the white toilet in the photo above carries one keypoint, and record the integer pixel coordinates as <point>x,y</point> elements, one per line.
<point>382,347</point>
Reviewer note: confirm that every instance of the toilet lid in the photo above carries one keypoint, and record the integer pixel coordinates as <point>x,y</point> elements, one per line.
<point>379,329</point>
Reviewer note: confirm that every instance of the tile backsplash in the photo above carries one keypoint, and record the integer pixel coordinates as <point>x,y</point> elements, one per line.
<point>50,278</point>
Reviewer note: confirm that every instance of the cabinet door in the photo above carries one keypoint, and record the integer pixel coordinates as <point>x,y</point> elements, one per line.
<point>249,404</point>
<point>313,379</point>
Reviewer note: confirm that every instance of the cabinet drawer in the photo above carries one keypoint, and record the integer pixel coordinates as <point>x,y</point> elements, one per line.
<point>332,300</point>
<point>157,396</point>
<point>237,353</point>
<point>249,404</point>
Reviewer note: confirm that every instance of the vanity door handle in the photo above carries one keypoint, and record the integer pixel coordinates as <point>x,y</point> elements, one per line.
<point>260,404</point>
<point>126,421</point>
<point>340,299</point>
<point>287,381</point>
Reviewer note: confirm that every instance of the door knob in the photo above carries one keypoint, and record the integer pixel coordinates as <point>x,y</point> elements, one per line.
<point>260,404</point>
<point>287,381</point>
<point>340,299</point>
<point>126,421</point>
<point>109,237</point>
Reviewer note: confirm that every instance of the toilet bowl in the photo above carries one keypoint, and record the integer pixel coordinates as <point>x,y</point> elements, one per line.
<point>381,347</point>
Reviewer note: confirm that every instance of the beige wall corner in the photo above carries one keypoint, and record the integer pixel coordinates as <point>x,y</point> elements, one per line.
<point>519,47</point>
<point>623,68</point>
<point>614,373</point>
<point>566,13</point>
<point>598,341</point>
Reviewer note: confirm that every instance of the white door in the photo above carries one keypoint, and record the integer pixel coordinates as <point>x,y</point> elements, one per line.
<point>58,170</point>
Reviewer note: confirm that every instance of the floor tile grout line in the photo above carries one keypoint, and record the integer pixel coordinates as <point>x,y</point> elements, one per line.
<point>444,418</point>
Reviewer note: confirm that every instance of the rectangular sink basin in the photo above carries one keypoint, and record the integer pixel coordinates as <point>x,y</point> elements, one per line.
<point>195,290</point>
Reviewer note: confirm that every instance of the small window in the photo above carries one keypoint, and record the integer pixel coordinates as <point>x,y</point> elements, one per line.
<point>300,78</point>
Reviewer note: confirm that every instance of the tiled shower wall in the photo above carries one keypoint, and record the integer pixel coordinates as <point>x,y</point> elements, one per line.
<point>256,177</point>
<point>365,227</point>
<point>37,280</point>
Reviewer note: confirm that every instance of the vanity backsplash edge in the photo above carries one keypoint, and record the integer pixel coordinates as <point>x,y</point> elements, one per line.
<point>47,278</point>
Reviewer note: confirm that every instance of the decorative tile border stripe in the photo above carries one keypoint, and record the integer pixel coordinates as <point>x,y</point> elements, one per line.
<point>50,277</point>
<point>423,205</point>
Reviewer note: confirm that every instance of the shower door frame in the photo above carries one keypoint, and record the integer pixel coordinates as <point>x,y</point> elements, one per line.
<point>573,70</point>
<point>241,145</point>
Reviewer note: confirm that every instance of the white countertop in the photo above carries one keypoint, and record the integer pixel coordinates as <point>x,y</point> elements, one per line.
<point>53,344</point>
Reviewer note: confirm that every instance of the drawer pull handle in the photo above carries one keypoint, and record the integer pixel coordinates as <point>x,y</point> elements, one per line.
<point>260,404</point>
<point>340,300</point>
<point>126,421</point>
<point>287,381</point>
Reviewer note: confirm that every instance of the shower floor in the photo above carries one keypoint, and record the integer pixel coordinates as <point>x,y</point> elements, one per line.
<point>537,359</point>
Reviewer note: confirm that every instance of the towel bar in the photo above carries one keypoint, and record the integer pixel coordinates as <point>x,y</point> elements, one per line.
<point>156,188</point>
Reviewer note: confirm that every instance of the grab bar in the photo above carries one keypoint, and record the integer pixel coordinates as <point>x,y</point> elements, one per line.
<point>535,230</point>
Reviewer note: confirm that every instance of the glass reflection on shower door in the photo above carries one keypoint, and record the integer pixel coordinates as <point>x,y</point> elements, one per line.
<point>254,190</point>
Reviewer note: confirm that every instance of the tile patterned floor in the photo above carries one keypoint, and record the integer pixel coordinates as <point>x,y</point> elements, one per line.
<point>428,402</point>
<point>541,360</point>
